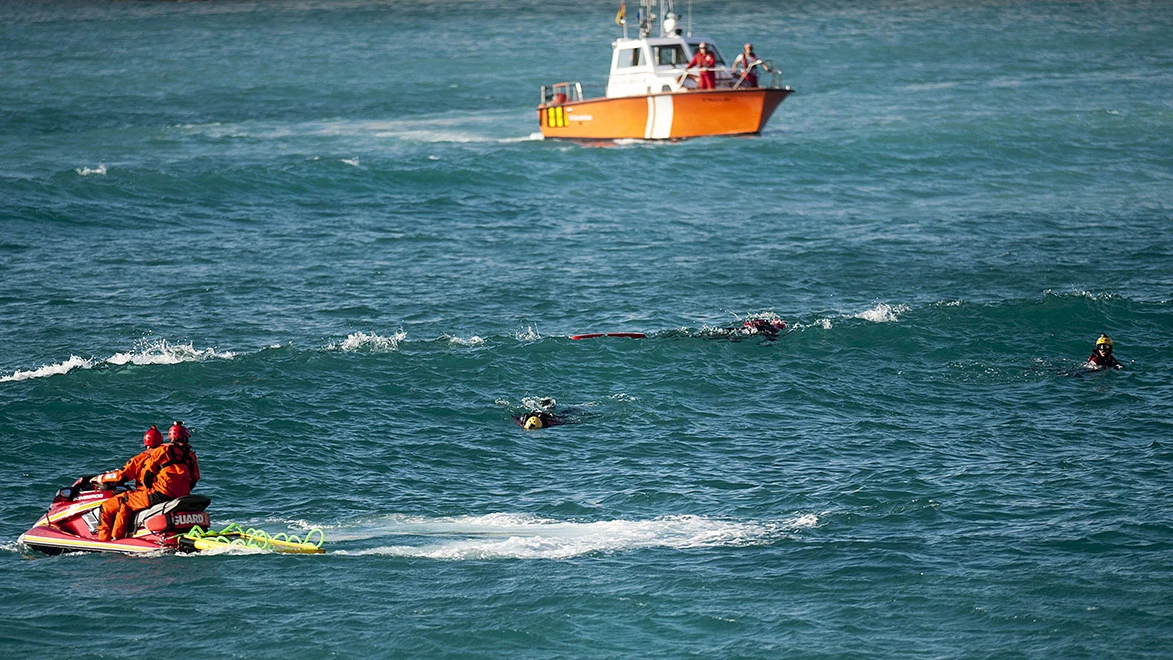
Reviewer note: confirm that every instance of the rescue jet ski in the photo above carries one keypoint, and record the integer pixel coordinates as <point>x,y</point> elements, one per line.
<point>181,524</point>
<point>71,523</point>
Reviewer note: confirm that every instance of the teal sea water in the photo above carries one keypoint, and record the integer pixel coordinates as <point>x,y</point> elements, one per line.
<point>327,236</point>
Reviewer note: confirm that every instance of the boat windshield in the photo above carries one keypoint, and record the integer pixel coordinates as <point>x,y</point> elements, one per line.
<point>670,55</point>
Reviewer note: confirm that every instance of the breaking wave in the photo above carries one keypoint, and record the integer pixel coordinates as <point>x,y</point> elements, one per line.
<point>362,342</point>
<point>100,170</point>
<point>882,313</point>
<point>159,351</point>
<point>460,341</point>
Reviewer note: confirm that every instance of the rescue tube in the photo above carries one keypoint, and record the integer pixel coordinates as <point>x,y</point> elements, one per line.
<point>234,536</point>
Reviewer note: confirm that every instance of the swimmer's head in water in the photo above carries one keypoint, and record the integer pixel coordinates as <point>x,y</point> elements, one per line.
<point>532,422</point>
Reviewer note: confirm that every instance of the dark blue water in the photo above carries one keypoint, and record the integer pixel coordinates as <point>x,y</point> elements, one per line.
<point>328,237</point>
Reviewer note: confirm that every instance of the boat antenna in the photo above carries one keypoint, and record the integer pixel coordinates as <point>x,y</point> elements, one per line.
<point>689,22</point>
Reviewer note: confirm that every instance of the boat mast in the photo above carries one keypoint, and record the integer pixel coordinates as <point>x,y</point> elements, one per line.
<point>646,18</point>
<point>670,25</point>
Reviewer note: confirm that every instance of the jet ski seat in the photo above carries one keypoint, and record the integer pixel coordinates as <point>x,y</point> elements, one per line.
<point>193,503</point>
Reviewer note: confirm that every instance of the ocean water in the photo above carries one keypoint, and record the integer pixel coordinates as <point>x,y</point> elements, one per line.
<point>328,237</point>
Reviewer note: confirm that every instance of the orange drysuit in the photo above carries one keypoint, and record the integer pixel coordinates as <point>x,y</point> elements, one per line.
<point>165,473</point>
<point>108,524</point>
<point>171,471</point>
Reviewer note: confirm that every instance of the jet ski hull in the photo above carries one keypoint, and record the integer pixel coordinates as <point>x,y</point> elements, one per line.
<point>71,523</point>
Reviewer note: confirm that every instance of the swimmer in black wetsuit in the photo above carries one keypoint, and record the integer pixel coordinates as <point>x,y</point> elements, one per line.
<point>545,415</point>
<point>538,419</point>
<point>769,328</point>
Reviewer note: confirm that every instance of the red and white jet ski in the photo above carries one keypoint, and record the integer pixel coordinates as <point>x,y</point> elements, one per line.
<point>71,524</point>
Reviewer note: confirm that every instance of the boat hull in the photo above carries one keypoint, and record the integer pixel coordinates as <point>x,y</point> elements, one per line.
<point>667,116</point>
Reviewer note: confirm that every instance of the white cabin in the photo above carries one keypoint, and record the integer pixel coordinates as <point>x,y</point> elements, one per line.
<point>654,65</point>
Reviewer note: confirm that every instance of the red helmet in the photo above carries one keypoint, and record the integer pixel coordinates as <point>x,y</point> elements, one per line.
<point>178,433</point>
<point>153,437</point>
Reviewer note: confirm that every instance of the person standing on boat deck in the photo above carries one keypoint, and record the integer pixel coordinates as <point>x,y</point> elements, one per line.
<point>131,471</point>
<point>744,65</point>
<point>706,61</point>
<point>1101,357</point>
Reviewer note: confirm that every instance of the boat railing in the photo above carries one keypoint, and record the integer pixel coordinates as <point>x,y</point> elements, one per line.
<point>729,78</point>
<point>563,92</point>
<point>766,66</point>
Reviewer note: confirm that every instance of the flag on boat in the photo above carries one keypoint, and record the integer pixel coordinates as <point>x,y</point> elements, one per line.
<point>621,15</point>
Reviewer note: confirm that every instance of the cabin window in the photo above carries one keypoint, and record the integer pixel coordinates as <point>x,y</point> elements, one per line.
<point>629,57</point>
<point>670,55</point>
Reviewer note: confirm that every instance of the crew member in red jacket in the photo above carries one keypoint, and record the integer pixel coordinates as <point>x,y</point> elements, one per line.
<point>706,79</point>
<point>132,471</point>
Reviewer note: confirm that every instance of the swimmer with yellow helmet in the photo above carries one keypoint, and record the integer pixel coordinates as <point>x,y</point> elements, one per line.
<point>542,414</point>
<point>537,420</point>
<point>1101,357</point>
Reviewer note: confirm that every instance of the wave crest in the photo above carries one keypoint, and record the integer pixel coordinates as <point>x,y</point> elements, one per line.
<point>164,352</point>
<point>74,362</point>
<point>100,170</point>
<point>361,341</point>
<point>159,351</point>
<point>882,313</point>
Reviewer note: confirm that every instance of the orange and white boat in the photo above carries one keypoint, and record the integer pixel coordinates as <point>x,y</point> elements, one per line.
<point>652,94</point>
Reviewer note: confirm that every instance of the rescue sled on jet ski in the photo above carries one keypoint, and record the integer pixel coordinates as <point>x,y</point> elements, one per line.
<point>181,524</point>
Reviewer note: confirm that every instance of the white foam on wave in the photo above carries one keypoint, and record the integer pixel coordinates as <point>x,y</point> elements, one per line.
<point>100,170</point>
<point>459,341</point>
<point>221,549</point>
<point>1081,293</point>
<point>361,341</point>
<point>882,313</point>
<point>157,351</point>
<point>12,546</point>
<point>528,333</point>
<point>520,536</point>
<point>162,351</point>
<point>74,362</point>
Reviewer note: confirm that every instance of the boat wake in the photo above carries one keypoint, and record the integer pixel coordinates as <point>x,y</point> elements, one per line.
<point>519,536</point>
